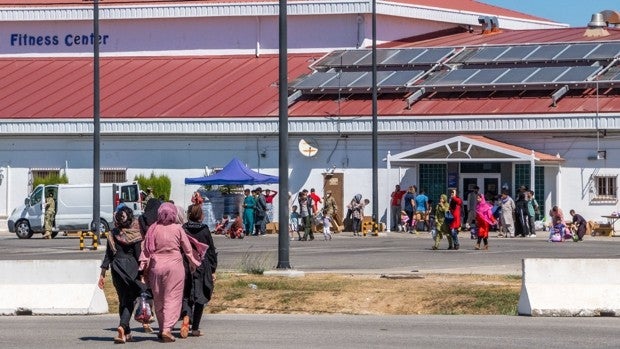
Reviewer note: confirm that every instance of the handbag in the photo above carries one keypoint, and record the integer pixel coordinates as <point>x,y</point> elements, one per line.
<point>143,312</point>
<point>449,217</point>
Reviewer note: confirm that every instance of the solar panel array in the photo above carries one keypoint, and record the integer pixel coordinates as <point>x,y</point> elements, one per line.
<point>532,66</point>
<point>539,53</point>
<point>361,82</point>
<point>512,76</point>
<point>386,58</point>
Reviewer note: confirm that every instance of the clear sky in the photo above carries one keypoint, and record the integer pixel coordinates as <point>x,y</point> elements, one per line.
<point>576,13</point>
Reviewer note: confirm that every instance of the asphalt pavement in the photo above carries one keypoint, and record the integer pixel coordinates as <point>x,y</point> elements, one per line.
<point>389,253</point>
<point>326,331</point>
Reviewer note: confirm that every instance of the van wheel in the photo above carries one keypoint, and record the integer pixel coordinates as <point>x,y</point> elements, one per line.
<point>22,230</point>
<point>103,226</point>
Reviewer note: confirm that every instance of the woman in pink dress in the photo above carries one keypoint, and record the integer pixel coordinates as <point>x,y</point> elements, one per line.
<point>165,244</point>
<point>484,220</point>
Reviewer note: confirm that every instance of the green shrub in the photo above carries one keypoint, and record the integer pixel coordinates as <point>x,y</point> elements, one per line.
<point>161,184</point>
<point>50,179</point>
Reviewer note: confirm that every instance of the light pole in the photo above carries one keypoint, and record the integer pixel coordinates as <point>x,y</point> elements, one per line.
<point>283,238</point>
<point>375,141</point>
<point>96,127</point>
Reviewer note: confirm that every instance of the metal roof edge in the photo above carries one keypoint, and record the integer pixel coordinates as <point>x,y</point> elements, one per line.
<point>459,16</point>
<point>269,8</point>
<point>305,125</point>
<point>182,10</point>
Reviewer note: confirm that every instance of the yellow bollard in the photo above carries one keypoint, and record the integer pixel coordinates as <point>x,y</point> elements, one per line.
<point>375,229</point>
<point>95,242</point>
<point>81,234</point>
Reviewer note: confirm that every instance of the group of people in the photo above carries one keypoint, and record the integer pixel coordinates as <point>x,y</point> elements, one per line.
<point>257,210</point>
<point>168,254</point>
<point>306,216</point>
<point>411,211</point>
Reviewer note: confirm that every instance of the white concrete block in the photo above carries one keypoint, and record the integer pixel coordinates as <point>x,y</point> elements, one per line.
<point>570,287</point>
<point>54,287</point>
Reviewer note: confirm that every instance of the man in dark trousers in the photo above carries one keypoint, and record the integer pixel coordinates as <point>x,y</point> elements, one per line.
<point>580,223</point>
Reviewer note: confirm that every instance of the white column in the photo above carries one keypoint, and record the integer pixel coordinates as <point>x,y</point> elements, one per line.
<point>388,220</point>
<point>533,171</point>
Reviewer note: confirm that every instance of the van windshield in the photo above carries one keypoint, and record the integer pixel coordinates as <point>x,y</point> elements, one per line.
<point>36,196</point>
<point>130,193</point>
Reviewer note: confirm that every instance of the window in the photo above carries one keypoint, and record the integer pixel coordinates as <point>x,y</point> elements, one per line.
<point>113,175</point>
<point>605,189</point>
<point>44,173</point>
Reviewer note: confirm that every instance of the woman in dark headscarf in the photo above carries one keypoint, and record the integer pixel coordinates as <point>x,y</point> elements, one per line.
<point>199,284</point>
<point>357,213</point>
<point>149,216</point>
<point>122,253</point>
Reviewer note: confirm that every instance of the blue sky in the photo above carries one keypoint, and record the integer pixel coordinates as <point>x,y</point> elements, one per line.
<point>576,13</point>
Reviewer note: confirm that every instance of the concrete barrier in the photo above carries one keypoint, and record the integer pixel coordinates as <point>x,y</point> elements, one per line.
<point>570,287</point>
<point>51,287</point>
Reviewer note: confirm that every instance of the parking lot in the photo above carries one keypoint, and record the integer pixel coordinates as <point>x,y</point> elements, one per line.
<point>389,253</point>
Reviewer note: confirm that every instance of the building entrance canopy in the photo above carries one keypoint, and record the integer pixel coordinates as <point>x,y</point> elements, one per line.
<point>471,148</point>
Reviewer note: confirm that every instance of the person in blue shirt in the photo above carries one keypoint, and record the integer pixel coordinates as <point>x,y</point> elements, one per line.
<point>409,200</point>
<point>421,209</point>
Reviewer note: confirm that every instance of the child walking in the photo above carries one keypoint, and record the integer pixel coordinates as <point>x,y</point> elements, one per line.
<point>327,225</point>
<point>294,223</point>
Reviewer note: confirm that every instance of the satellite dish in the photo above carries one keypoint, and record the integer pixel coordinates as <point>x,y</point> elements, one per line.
<point>308,148</point>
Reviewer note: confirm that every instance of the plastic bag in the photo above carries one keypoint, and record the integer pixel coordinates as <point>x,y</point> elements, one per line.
<point>143,312</point>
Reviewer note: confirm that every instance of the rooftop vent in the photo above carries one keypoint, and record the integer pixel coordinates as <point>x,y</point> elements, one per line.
<point>597,26</point>
<point>489,24</point>
<point>611,17</point>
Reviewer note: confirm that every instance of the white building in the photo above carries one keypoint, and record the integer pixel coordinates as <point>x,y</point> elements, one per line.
<point>186,86</point>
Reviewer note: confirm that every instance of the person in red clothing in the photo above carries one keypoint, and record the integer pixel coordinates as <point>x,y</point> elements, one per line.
<point>316,199</point>
<point>484,220</point>
<point>395,207</point>
<point>455,208</point>
<point>269,195</point>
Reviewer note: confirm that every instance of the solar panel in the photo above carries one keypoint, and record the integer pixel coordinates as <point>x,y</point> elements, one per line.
<point>578,74</point>
<point>486,76</point>
<point>400,78</point>
<point>404,57</point>
<point>344,79</point>
<point>607,50</point>
<point>487,54</point>
<point>515,75</point>
<point>314,81</point>
<point>433,56</point>
<point>455,77</point>
<point>547,74</point>
<point>365,81</point>
<point>576,52</point>
<point>516,53</point>
<point>546,52</point>
<point>382,55</point>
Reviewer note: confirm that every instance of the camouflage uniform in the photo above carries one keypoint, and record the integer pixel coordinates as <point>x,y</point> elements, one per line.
<point>50,212</point>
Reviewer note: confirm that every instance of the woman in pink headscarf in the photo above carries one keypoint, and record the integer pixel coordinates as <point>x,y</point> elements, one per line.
<point>484,220</point>
<point>165,244</point>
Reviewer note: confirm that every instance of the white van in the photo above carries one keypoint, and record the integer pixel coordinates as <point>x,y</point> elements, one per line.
<point>74,207</point>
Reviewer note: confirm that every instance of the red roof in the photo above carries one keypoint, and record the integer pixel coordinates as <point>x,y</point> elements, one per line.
<point>246,86</point>
<point>145,87</point>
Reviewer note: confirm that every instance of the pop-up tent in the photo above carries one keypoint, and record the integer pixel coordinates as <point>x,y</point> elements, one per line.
<point>236,172</point>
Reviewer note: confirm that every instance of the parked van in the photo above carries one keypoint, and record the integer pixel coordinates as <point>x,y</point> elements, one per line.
<point>74,207</point>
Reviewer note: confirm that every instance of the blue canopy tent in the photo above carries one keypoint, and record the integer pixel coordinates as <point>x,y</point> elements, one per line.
<point>236,172</point>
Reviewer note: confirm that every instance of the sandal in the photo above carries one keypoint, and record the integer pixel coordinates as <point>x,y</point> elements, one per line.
<point>185,327</point>
<point>120,338</point>
<point>167,337</point>
<point>147,328</point>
